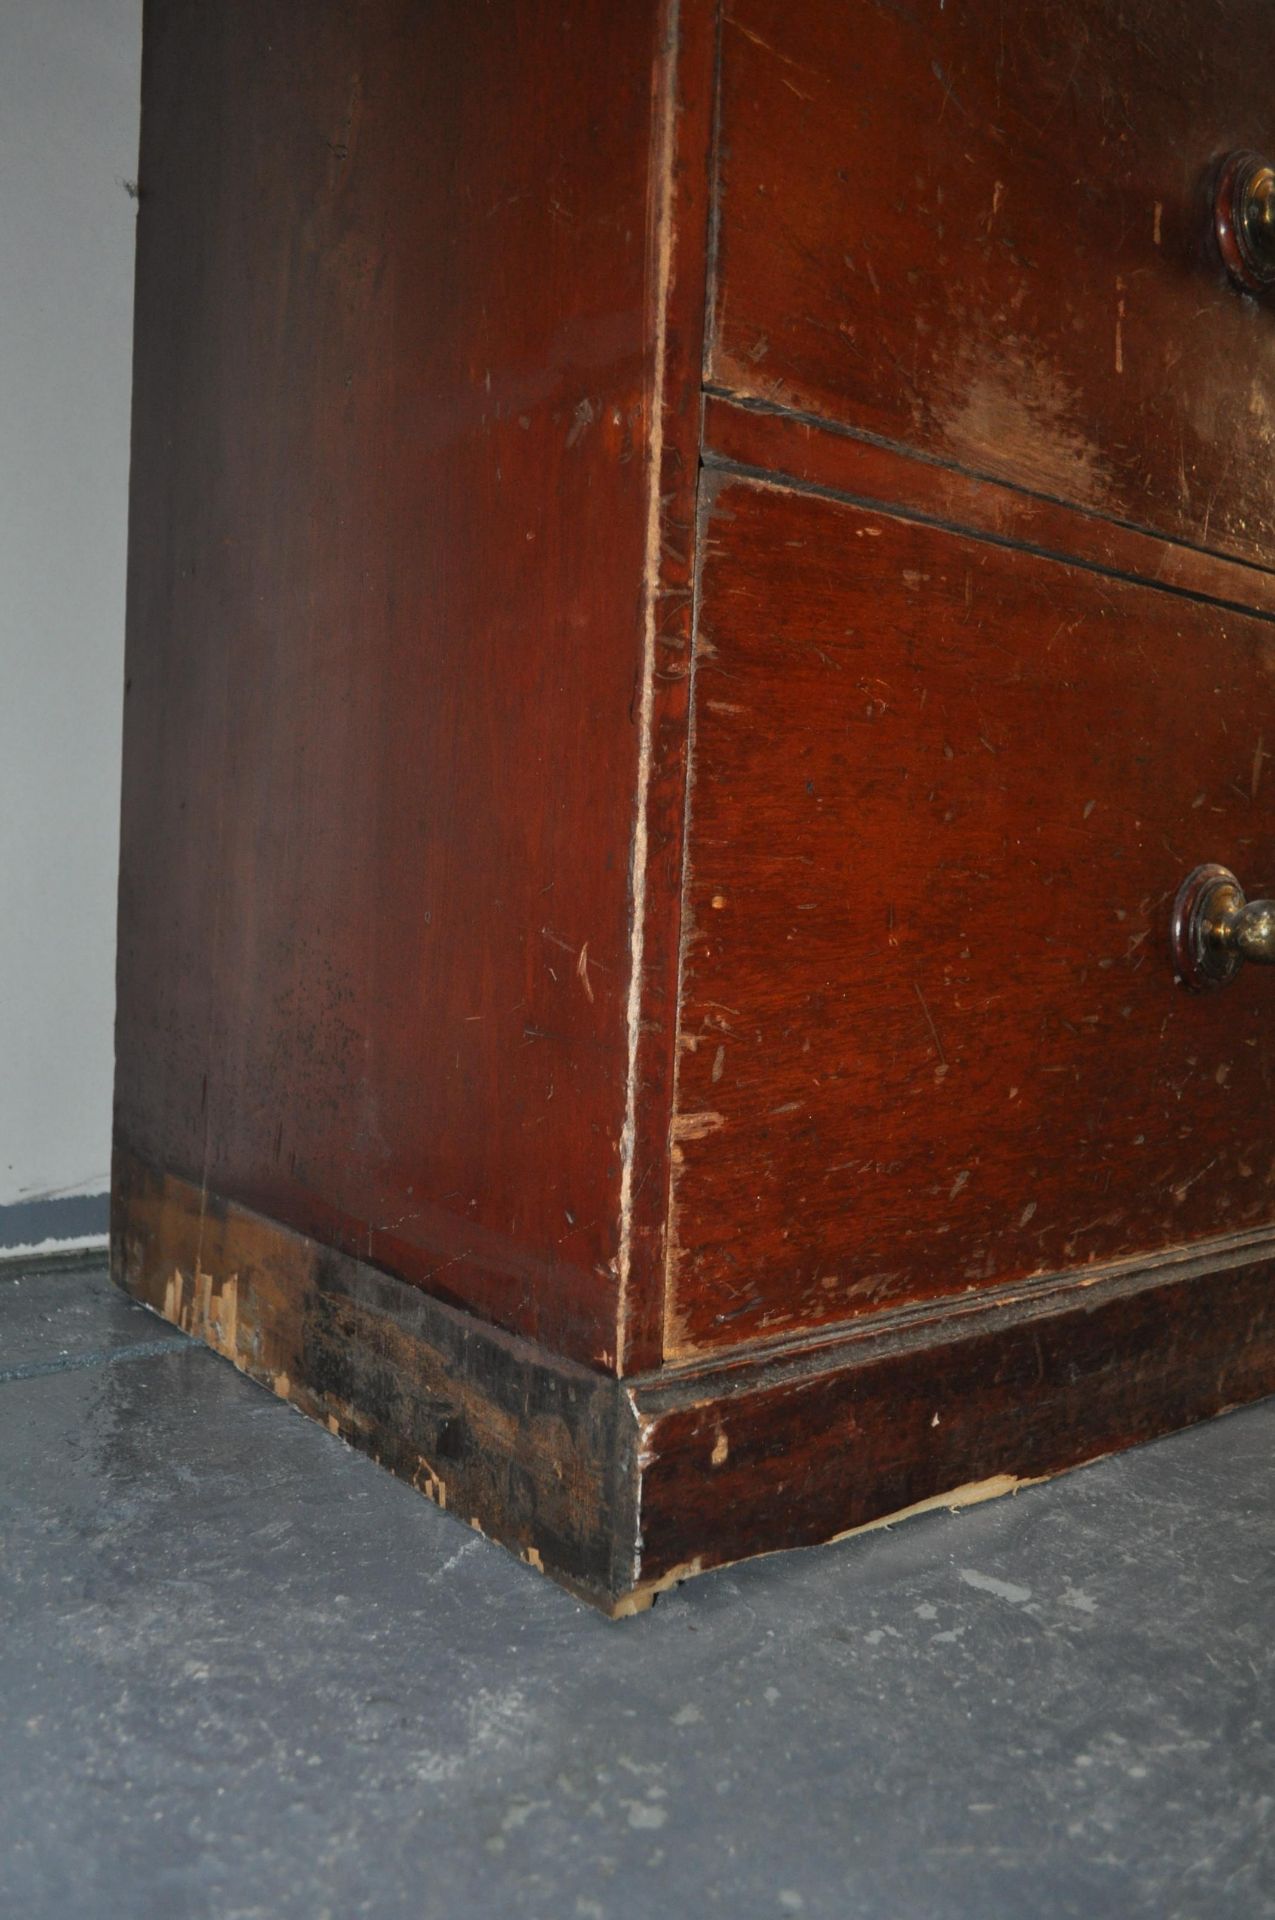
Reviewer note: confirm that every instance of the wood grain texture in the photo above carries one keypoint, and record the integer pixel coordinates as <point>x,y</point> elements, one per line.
<point>684,94</point>
<point>643,992</point>
<point>813,454</point>
<point>757,1458</point>
<point>618,1490</point>
<point>536,1453</point>
<point>944,794</point>
<point>984,232</point>
<point>395,390</point>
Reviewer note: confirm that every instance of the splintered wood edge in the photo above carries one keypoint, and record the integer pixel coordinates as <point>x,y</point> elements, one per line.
<point>621,1489</point>
<point>998,1487</point>
<point>524,1447</point>
<point>802,1450</point>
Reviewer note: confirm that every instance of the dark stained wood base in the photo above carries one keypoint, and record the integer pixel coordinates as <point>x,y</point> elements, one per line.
<point>620,1488</point>
<point>530,1450</point>
<point>950,1407</point>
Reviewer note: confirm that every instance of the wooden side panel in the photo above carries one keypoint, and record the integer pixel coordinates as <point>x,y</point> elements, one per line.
<point>536,1454</point>
<point>386,622</point>
<point>944,793</point>
<point>983,232</point>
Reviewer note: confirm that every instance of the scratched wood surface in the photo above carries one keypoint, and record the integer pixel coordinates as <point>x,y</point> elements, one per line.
<point>947,1414</point>
<point>532,1449</point>
<point>410,976</point>
<point>682,138</point>
<point>981,231</point>
<point>556,1461</point>
<point>944,793</point>
<point>787,446</point>
<point>387,629</point>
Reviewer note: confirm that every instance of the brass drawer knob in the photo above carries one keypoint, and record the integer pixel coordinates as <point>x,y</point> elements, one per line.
<point>1215,928</point>
<point>1244,220</point>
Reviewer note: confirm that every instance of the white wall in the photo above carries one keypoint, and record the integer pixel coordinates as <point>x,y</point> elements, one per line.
<point>69,77</point>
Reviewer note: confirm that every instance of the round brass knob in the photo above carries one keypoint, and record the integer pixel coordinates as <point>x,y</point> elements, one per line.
<point>1244,220</point>
<point>1215,928</point>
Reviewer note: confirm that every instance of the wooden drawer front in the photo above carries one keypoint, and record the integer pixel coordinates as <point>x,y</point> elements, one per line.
<point>983,232</point>
<point>943,795</point>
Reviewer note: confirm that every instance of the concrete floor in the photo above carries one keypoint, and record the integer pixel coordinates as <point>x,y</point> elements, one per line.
<point>246,1674</point>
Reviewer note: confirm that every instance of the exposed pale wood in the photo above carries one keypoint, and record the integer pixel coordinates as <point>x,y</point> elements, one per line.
<point>985,232</point>
<point>812,453</point>
<point>643,997</point>
<point>619,1490</point>
<point>684,80</point>
<point>944,794</point>
<point>806,1448</point>
<point>396,394</point>
<point>534,1452</point>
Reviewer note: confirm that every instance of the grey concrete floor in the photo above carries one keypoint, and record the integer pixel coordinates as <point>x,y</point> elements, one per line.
<point>246,1674</point>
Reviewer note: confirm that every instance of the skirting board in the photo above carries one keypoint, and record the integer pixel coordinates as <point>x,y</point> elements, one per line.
<point>620,1488</point>
<point>56,1225</point>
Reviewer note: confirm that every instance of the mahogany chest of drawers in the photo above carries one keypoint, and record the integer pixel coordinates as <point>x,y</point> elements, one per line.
<point>700,580</point>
